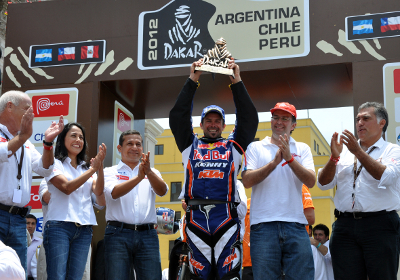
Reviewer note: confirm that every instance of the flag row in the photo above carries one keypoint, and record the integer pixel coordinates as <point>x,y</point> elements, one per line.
<point>67,53</point>
<point>43,55</point>
<point>366,26</point>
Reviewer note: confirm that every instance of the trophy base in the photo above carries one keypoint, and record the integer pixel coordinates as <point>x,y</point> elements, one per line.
<point>214,69</point>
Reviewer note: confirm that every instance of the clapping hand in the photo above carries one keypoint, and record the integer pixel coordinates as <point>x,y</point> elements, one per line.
<point>285,147</point>
<point>97,162</point>
<point>54,129</point>
<point>336,146</point>
<point>146,162</point>
<point>350,141</point>
<point>26,124</point>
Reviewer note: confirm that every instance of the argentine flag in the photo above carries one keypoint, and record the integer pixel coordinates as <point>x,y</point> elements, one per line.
<point>43,55</point>
<point>362,26</point>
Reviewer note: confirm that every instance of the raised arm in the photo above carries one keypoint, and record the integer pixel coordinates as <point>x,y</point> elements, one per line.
<point>24,134</point>
<point>180,117</point>
<point>246,113</point>
<point>49,136</point>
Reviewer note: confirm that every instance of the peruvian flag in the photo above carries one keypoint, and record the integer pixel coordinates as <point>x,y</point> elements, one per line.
<point>89,52</point>
<point>66,53</point>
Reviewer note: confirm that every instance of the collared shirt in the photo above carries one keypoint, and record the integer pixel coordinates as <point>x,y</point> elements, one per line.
<point>137,206</point>
<point>36,241</point>
<point>42,190</point>
<point>328,262</point>
<point>9,170</point>
<point>371,195</point>
<point>279,196</point>
<point>319,265</point>
<point>76,207</point>
<point>10,265</point>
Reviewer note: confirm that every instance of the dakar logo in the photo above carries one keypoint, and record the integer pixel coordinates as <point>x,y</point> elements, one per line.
<point>196,264</point>
<point>44,103</point>
<point>182,33</point>
<point>211,174</point>
<point>229,259</point>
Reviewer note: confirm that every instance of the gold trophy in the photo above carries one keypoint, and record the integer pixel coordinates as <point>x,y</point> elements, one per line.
<point>216,60</point>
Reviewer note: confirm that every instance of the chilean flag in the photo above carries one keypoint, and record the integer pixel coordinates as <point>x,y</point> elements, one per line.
<point>391,23</point>
<point>66,53</point>
<point>89,52</point>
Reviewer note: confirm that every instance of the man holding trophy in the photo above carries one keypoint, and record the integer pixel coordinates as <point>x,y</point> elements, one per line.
<point>211,166</point>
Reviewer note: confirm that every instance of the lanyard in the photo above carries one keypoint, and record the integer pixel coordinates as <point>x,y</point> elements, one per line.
<point>356,174</point>
<point>19,164</point>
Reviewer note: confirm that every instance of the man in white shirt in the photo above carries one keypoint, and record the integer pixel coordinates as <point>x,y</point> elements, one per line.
<point>321,243</point>
<point>365,237</point>
<point>18,157</point>
<point>32,248</point>
<point>130,188</point>
<point>277,168</point>
<point>10,266</point>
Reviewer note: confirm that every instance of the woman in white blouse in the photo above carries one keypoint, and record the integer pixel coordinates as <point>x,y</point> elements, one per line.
<point>70,215</point>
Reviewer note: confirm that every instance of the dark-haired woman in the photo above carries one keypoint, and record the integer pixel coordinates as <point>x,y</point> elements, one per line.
<point>70,216</point>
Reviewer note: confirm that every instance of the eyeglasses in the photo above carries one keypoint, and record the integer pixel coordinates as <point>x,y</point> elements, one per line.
<point>284,119</point>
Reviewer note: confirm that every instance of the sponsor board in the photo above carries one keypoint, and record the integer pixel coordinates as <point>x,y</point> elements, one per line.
<point>391,97</point>
<point>398,135</point>
<point>35,200</point>
<point>50,105</point>
<point>182,31</point>
<point>36,207</point>
<point>39,127</point>
<point>397,109</point>
<point>123,121</point>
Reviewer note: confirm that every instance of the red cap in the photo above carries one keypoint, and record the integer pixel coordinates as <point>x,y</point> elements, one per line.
<point>284,106</point>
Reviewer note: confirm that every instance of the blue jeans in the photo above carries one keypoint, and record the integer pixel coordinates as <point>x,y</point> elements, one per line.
<point>126,249</point>
<point>67,248</point>
<point>281,246</point>
<point>13,234</point>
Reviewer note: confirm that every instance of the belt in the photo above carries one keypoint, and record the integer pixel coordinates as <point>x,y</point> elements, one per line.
<point>205,202</point>
<point>130,226</point>
<point>360,215</point>
<point>15,210</point>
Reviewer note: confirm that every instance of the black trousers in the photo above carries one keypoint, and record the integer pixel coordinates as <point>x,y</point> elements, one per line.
<point>366,247</point>
<point>247,273</point>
